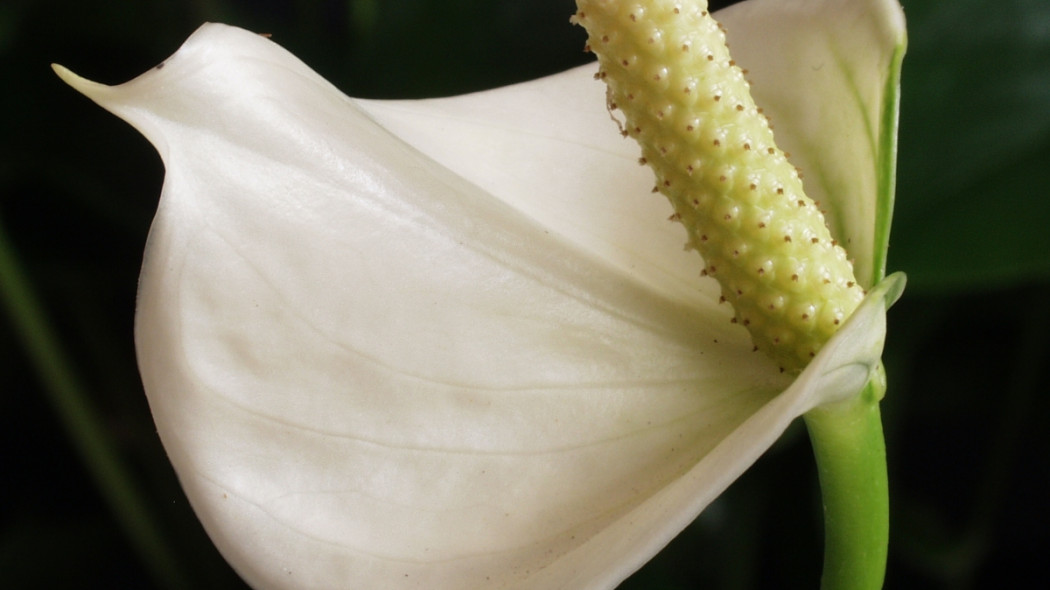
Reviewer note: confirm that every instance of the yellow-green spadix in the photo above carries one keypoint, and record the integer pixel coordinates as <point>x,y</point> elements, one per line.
<point>688,104</point>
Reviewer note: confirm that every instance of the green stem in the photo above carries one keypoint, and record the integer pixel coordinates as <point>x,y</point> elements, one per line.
<point>82,424</point>
<point>851,462</point>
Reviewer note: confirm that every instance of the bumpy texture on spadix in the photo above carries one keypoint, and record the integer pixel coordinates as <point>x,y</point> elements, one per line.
<point>443,344</point>
<point>688,105</point>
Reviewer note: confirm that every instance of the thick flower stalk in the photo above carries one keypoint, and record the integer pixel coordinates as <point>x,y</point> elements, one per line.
<point>448,344</point>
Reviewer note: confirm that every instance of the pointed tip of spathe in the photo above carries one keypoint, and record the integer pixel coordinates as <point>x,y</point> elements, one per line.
<point>93,90</point>
<point>80,84</point>
<point>118,101</point>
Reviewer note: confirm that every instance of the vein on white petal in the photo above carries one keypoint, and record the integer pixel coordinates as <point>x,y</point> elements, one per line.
<point>327,335</point>
<point>577,534</point>
<point>712,411</point>
<point>463,510</point>
<point>538,147</point>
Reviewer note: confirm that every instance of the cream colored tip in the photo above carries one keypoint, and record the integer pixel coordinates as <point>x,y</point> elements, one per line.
<point>88,88</point>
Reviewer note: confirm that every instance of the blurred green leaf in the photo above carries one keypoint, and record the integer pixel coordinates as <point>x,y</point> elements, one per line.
<point>974,147</point>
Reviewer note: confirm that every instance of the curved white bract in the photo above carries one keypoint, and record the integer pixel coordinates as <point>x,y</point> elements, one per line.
<point>377,365</point>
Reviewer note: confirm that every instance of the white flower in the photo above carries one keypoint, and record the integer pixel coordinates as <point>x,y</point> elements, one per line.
<point>455,343</point>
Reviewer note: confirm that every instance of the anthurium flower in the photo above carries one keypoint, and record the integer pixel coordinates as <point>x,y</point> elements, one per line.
<point>456,343</point>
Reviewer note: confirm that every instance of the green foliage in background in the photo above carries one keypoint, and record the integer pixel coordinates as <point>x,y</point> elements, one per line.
<point>967,409</point>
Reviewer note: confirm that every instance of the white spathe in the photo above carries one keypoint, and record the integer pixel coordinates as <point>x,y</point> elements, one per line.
<point>448,344</point>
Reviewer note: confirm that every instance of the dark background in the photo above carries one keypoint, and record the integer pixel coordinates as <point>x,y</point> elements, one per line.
<point>967,414</point>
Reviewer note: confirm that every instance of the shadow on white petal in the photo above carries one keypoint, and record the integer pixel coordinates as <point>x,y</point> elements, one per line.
<point>549,150</point>
<point>841,369</point>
